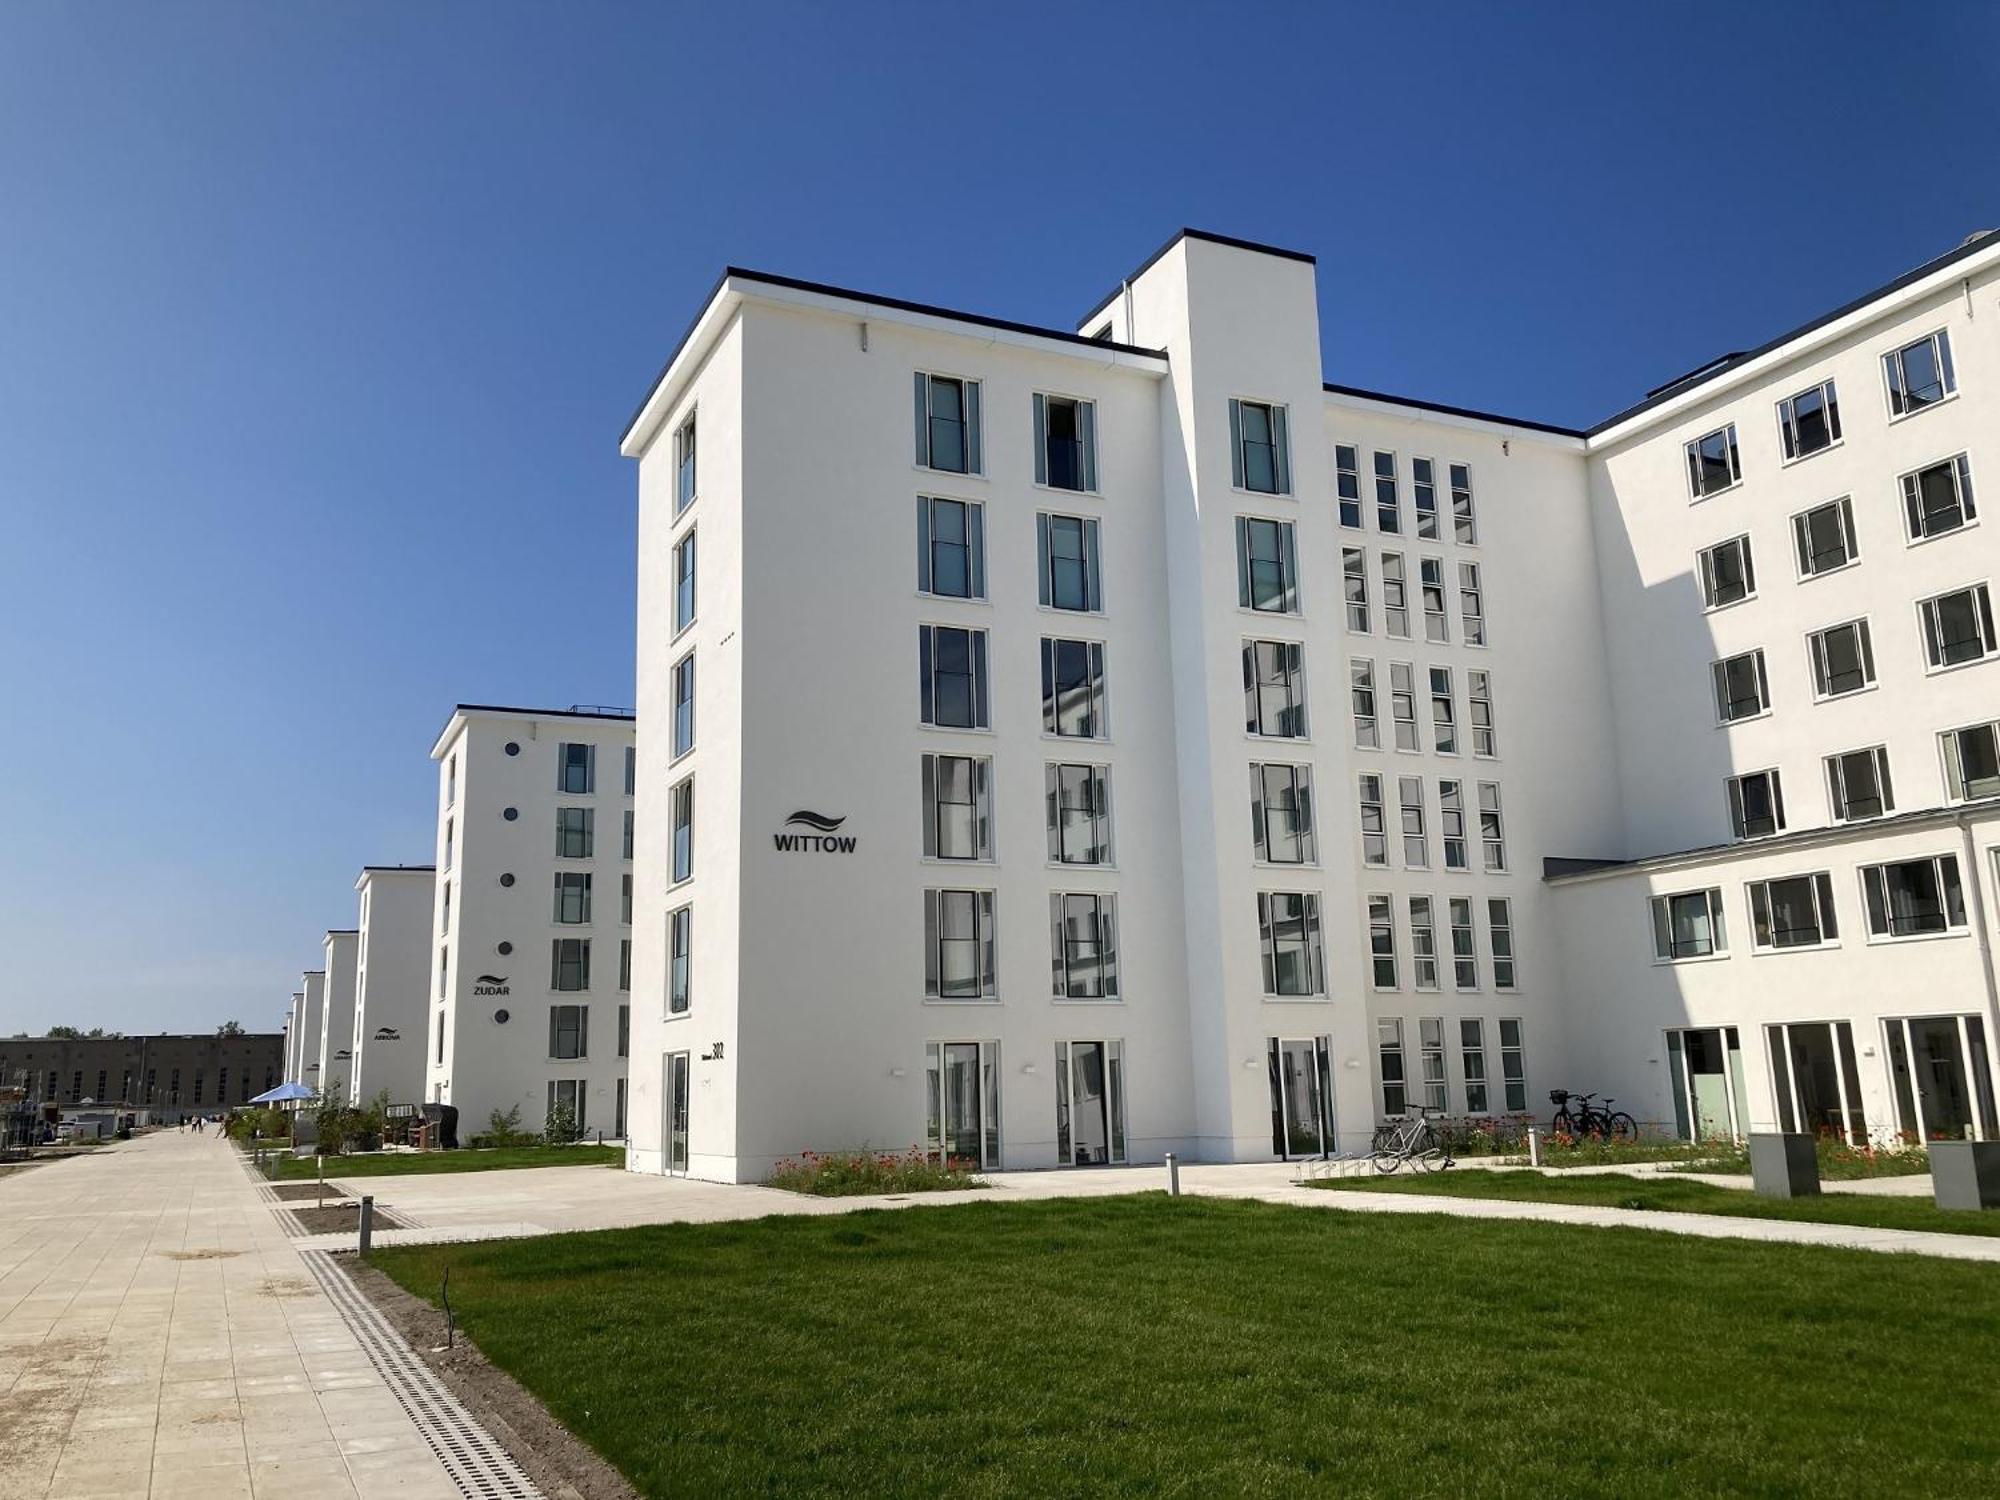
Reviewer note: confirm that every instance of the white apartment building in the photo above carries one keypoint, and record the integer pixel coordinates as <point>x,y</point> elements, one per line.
<point>1069,746</point>
<point>391,967</point>
<point>530,945</point>
<point>294,1030</point>
<point>311,1017</point>
<point>335,1044</point>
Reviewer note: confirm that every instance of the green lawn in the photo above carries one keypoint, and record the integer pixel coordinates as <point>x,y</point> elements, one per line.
<point>404,1163</point>
<point>1206,1347</point>
<point>1678,1195</point>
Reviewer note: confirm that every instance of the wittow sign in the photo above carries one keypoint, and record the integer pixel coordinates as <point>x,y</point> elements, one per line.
<point>826,840</point>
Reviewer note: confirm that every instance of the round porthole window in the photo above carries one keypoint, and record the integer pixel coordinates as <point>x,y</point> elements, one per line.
<point>512,748</point>
<point>511,813</point>
<point>506,879</point>
<point>500,1018</point>
<point>505,949</point>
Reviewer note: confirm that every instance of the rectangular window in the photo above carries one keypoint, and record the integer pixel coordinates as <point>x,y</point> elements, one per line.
<point>1756,805</point>
<point>1424,495</point>
<point>627,844</point>
<point>1416,847</point>
<point>1259,450</point>
<point>1914,897</point>
<point>1388,504</point>
<point>1430,574</point>
<point>680,938</point>
<point>1389,1048</point>
<point>681,802</point>
<point>1919,374</point>
<point>625,898</point>
<point>1395,596</point>
<point>1354,587</point>
<point>451,782</point>
<point>1347,483</point>
<point>569,964</point>
<point>1065,443</point>
<point>1069,575</point>
<point>631,770</point>
<point>1281,814</point>
<point>1083,946</point>
<point>1361,677</point>
<point>1689,925</point>
<point>1374,822</point>
<point>684,705</point>
<point>1403,704</point>
<point>1430,1039</point>
<point>576,835</point>
<point>1958,627</point>
<point>948,424</point>
<point>1742,691</point>
<point>1274,689</point>
<point>1444,713</point>
<point>1451,824</point>
<point>1809,421</point>
<point>1471,604</point>
<point>1712,462</point>
<point>684,470</point>
<point>1078,817</point>
<point>1472,1062</point>
<point>1267,574</point>
<point>1464,527</point>
<point>1513,1064</point>
<point>445,909</point>
<point>1857,785</point>
<point>1073,689</point>
<point>1824,537</point>
<point>444,972</point>
<point>958,807</point>
<point>1795,911</point>
<point>449,840</point>
<point>1288,926</point>
<point>684,583</point>
<point>1843,659</point>
<point>1971,762</point>
<point>568,1031</point>
<point>1492,836</point>
<point>1479,710</point>
<point>1382,942</point>
<point>959,945</point>
<point>951,676</point>
<point>572,897</point>
<point>1500,933</point>
<point>951,548</point>
<point>576,769</point>
<point>1464,944</point>
<point>1727,573</point>
<point>1423,943</point>
<point>1938,499</point>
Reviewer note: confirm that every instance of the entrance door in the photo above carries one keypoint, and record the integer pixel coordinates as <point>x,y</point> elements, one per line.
<point>1707,1066</point>
<point>1813,1073</point>
<point>1090,1103</point>
<point>1942,1079</point>
<point>964,1084</point>
<point>674,1112</point>
<point>1301,1097</point>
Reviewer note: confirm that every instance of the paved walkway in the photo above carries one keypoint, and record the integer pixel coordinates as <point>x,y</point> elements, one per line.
<point>160,1339</point>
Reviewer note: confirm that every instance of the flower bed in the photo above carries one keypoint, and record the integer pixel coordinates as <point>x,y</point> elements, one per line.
<point>841,1174</point>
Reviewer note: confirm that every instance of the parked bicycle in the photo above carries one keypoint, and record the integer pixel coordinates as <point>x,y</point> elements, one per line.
<point>1577,1115</point>
<point>1413,1141</point>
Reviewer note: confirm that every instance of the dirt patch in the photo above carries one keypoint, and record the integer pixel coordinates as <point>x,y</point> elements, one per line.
<point>35,1415</point>
<point>562,1465</point>
<point>200,1254</point>
<point>288,1287</point>
<point>215,1419</point>
<point>343,1218</point>
<point>307,1192</point>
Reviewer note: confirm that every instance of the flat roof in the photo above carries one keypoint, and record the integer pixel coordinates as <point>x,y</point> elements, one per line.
<point>498,710</point>
<point>1194,234</point>
<point>1451,411</point>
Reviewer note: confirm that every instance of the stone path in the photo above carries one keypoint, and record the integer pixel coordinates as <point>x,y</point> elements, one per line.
<point>161,1339</point>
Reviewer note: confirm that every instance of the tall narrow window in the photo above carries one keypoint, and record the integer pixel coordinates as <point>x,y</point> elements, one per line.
<point>1267,573</point>
<point>1361,674</point>
<point>1712,462</point>
<point>680,936</point>
<point>1809,421</point>
<point>684,470</point>
<point>1416,845</point>
<point>1068,577</point>
<point>682,803</point>
<point>625,898</point>
<point>575,832</point>
<point>1259,448</point>
<point>1274,689</point>
<point>1374,822</point>
<point>1500,934</point>
<point>959,945</point>
<point>684,704</point>
<point>451,782</point>
<point>1471,604</point>
<point>948,424</point>
<point>1288,926</point>
<point>1464,526</point>
<point>1727,573</point>
<point>1354,587</point>
<point>1688,925</point>
<point>1451,824</point>
<point>958,807</point>
<point>1395,596</point>
<point>1424,497</point>
<point>1073,689</point>
<point>1957,627</point>
<point>1479,711</point>
<point>569,964</point>
<point>1423,943</point>
<point>1756,805</point>
<point>628,833</point>
<point>1382,942</point>
<point>951,667</point>
<point>1083,946</point>
<point>1843,660</point>
<point>1389,1049</point>
<point>1857,785</point>
<point>1078,814</point>
<point>1388,503</point>
<point>1914,897</point>
<point>1430,572</point>
<point>1347,483</point>
<point>572,897</point>
<point>1472,1062</point>
<point>1065,443</point>
<point>1513,1064</point>
<point>1919,374</point>
<point>1824,537</point>
<point>1464,944</point>
<point>576,769</point>
<point>1444,713</point>
<point>684,583</point>
<point>631,770</point>
<point>1938,499</point>
<point>951,548</point>
<point>1403,704</point>
<point>1971,762</point>
<point>1492,837</point>
<point>1281,814</point>
<point>1742,690</point>
<point>1430,1039</point>
<point>568,1031</point>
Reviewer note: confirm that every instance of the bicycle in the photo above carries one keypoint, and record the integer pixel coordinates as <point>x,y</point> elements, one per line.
<point>1591,1119</point>
<point>1413,1141</point>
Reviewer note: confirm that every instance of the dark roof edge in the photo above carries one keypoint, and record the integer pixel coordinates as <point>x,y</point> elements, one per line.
<point>1450,411</point>
<point>395,869</point>
<point>1695,381</point>
<point>343,932</point>
<point>539,713</point>
<point>1195,234</point>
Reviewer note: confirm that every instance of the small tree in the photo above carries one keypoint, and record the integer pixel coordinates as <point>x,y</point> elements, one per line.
<point>561,1127</point>
<point>230,1028</point>
<point>64,1034</point>
<point>504,1129</point>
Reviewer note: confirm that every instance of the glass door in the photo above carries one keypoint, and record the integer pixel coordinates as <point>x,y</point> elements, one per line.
<point>1301,1097</point>
<point>1943,1082</point>
<point>1707,1077</point>
<point>963,1080</point>
<point>1814,1076</point>
<point>675,1108</point>
<point>1090,1103</point>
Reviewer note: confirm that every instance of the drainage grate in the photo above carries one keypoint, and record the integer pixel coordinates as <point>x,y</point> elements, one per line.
<point>477,1465</point>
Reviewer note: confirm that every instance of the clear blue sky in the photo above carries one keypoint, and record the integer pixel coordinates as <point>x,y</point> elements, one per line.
<point>318,324</point>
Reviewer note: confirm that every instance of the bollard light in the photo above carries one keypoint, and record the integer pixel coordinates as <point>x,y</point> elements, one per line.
<point>367,1223</point>
<point>1173,1175</point>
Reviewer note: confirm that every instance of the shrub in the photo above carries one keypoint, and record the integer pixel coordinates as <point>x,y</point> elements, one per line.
<point>840,1174</point>
<point>561,1127</point>
<point>504,1130</point>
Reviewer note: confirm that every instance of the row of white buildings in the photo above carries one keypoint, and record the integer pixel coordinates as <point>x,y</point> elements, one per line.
<point>1063,746</point>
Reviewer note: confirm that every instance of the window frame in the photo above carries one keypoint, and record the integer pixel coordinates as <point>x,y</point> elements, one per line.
<point>685,547</point>
<point>979,673</point>
<point>1910,489</point>
<point>1464,517</point>
<point>975,548</point>
<point>984,940</point>
<point>1869,907</point>
<point>932,782</point>
<point>1471,604</point>
<point>1367,724</point>
<point>1305,821</point>
<point>971,417</point>
<point>1090,538</point>
<point>1097,674</point>
<point>1423,481</point>
<point>1380,916</point>
<point>1789,451</point>
<point>1719,683</point>
<point>683,668</point>
<point>1693,463</point>
<point>1895,379</point>
<point>680,961</point>
<point>1278,422</point>
<point>1063,967</point>
<point>1478,693</point>
<point>680,832</point>
<point>1820,669</point>
<point>1393,509</point>
<point>1294,677</point>
<point>1933,642</point>
<point>1312,937</point>
<point>1660,903</point>
<point>1344,494</point>
<point>1381,807</point>
<point>687,462</point>
<point>1838,802</point>
<point>1707,572</point>
<point>1843,508</point>
<point>1951,754</point>
<point>1291,603</point>
<point>1097,778</point>
<point>1826,916</point>
<point>1086,426</point>
<point>1738,815</point>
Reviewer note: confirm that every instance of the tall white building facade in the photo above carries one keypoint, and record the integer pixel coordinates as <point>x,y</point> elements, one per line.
<point>391,967</point>
<point>335,1043</point>
<point>311,1028</point>
<point>530,949</point>
<point>1065,747</point>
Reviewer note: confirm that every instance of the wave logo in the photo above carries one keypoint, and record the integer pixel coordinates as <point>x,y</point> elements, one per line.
<point>821,841</point>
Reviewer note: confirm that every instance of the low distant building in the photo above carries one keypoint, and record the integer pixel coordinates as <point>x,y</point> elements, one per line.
<point>171,1077</point>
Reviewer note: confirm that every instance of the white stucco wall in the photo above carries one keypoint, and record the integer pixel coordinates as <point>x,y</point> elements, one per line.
<point>392,965</point>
